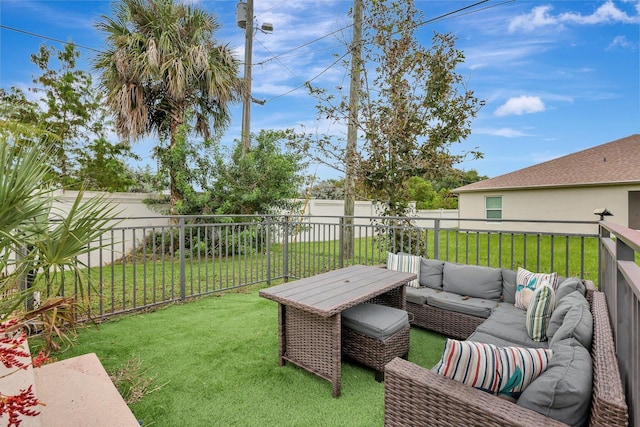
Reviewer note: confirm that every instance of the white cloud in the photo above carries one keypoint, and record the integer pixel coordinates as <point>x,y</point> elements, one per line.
<point>520,105</point>
<point>503,132</point>
<point>538,17</point>
<point>621,42</point>
<point>541,16</point>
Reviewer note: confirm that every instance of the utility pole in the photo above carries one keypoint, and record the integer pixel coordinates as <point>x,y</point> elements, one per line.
<point>246,103</point>
<point>352,131</point>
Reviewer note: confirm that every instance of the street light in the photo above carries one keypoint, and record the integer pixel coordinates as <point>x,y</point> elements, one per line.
<point>244,19</point>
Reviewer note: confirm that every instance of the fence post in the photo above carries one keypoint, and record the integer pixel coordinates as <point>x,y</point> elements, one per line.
<point>181,246</point>
<point>340,242</point>
<point>268,251</point>
<point>285,249</point>
<point>436,238</point>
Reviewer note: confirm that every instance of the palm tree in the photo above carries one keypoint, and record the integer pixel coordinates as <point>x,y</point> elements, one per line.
<point>163,65</point>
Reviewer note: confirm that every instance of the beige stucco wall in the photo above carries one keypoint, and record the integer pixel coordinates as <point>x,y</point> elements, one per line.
<point>568,204</point>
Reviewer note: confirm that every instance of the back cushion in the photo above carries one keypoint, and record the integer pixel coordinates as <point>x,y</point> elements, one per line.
<point>571,319</point>
<point>472,280</point>
<point>431,273</point>
<point>568,286</point>
<point>563,391</point>
<point>508,286</point>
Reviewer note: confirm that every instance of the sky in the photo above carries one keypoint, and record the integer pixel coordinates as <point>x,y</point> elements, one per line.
<point>556,77</point>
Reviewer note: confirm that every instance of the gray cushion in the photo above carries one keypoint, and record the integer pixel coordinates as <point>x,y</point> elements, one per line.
<point>431,273</point>
<point>572,319</point>
<point>373,320</point>
<point>472,280</point>
<point>462,304</point>
<point>509,286</point>
<point>567,286</point>
<point>563,391</point>
<point>489,339</point>
<point>419,295</point>
<point>507,323</point>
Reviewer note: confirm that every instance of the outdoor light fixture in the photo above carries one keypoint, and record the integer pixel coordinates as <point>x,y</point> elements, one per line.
<point>241,15</point>
<point>602,212</point>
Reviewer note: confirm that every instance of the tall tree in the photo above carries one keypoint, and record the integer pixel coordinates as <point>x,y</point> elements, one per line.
<point>414,106</point>
<point>71,122</point>
<point>162,63</point>
<point>420,107</point>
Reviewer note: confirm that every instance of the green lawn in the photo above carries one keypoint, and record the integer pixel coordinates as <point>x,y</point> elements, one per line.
<point>216,359</point>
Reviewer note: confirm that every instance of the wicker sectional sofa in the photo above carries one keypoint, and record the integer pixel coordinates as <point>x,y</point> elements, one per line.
<point>580,386</point>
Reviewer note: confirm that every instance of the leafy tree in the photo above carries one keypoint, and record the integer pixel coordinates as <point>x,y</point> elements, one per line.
<point>265,179</point>
<point>329,189</point>
<point>102,169</point>
<point>414,106</point>
<point>72,123</point>
<point>161,63</point>
<point>72,109</point>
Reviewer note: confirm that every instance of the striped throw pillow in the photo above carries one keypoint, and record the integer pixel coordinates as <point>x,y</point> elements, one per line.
<point>407,264</point>
<point>527,282</point>
<point>497,370</point>
<point>541,306</point>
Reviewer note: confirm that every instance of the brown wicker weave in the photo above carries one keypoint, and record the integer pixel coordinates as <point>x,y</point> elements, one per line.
<point>309,322</point>
<point>415,396</point>
<point>373,352</point>
<point>449,323</point>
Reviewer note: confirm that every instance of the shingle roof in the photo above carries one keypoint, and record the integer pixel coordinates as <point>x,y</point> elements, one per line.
<point>615,162</point>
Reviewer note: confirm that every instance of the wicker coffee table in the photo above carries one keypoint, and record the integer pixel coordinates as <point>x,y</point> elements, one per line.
<point>309,314</point>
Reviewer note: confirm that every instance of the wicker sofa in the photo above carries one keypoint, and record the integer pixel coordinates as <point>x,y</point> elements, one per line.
<point>418,396</point>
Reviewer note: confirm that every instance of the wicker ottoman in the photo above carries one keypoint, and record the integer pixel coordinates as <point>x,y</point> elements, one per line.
<point>374,334</point>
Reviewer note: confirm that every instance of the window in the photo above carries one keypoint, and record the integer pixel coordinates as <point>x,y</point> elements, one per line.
<point>493,205</point>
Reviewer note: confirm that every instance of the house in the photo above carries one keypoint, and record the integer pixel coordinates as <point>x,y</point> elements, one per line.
<point>567,188</point>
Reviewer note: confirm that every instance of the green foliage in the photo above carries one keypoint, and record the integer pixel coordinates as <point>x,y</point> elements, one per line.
<point>163,69</point>
<point>101,168</point>
<point>70,121</point>
<point>330,189</point>
<point>414,106</point>
<point>40,245</point>
<point>263,181</point>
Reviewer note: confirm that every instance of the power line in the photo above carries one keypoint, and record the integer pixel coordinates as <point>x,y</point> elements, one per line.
<point>418,24</point>
<point>29,33</point>
<point>313,78</point>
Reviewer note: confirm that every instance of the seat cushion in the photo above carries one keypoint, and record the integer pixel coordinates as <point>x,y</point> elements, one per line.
<point>497,370</point>
<point>419,295</point>
<point>508,323</point>
<point>462,304</point>
<point>489,339</point>
<point>563,391</point>
<point>472,280</point>
<point>431,273</point>
<point>374,320</point>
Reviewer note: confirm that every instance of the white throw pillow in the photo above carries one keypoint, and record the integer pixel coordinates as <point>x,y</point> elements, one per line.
<point>527,282</point>
<point>405,263</point>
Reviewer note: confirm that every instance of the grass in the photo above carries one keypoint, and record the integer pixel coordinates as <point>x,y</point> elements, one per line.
<point>215,362</point>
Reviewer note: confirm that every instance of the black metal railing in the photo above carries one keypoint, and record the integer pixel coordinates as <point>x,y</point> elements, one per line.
<point>143,263</point>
